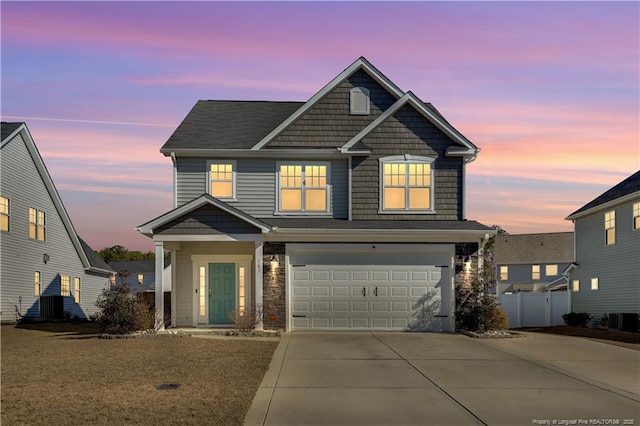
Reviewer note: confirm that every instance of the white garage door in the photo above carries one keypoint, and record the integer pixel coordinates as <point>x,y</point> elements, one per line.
<point>368,296</point>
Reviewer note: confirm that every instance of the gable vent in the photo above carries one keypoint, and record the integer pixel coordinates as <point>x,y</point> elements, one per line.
<point>359,98</point>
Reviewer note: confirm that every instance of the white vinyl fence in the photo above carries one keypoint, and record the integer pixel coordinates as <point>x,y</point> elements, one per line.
<point>535,309</point>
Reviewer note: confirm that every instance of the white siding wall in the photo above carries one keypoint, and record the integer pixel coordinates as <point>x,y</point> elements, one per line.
<point>184,286</point>
<point>616,266</point>
<point>20,256</point>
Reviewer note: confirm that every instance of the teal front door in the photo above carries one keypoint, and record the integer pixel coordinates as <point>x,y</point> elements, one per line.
<point>222,292</point>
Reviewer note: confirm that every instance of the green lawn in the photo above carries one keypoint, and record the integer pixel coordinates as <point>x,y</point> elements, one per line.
<point>63,374</point>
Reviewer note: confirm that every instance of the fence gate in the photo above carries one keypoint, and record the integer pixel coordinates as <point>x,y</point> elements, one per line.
<point>535,309</point>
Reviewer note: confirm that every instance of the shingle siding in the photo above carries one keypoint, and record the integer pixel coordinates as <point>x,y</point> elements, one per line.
<point>329,124</point>
<point>21,257</point>
<point>207,220</point>
<point>407,132</point>
<point>616,266</point>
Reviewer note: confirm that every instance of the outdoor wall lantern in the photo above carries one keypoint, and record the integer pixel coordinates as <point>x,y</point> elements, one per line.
<point>466,261</point>
<point>45,258</point>
<point>273,262</point>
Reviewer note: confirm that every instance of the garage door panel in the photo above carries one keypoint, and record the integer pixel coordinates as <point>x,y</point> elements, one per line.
<point>374,296</point>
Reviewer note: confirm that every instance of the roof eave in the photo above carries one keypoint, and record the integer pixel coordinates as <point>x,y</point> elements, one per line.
<point>620,200</point>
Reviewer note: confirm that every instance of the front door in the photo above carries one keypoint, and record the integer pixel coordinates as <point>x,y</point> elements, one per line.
<point>222,292</point>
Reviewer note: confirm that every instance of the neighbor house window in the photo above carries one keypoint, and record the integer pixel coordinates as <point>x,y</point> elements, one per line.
<point>37,281</point>
<point>636,216</point>
<point>551,270</point>
<point>222,179</point>
<point>65,285</point>
<point>594,283</point>
<point>504,272</point>
<point>4,214</point>
<point>304,188</point>
<point>406,184</point>
<point>359,101</point>
<point>112,280</point>
<point>575,285</point>
<point>535,272</point>
<point>76,289</point>
<point>610,227</point>
<point>37,225</point>
<point>140,279</point>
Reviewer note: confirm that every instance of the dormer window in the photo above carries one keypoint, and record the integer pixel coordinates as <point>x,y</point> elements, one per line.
<point>359,100</point>
<point>406,184</point>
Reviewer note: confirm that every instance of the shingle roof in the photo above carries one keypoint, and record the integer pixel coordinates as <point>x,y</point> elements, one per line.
<point>228,124</point>
<point>95,260</point>
<point>626,187</point>
<point>8,128</point>
<point>339,224</point>
<point>534,248</point>
<point>135,266</point>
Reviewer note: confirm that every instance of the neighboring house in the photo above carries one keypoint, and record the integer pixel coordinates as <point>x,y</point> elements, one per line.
<point>140,275</point>
<point>606,275</point>
<point>47,271</point>
<point>532,262</point>
<point>343,212</point>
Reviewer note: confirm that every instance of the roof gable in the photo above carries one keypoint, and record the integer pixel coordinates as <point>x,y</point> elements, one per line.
<point>89,259</point>
<point>193,211</point>
<point>534,248</point>
<point>360,64</point>
<point>627,187</point>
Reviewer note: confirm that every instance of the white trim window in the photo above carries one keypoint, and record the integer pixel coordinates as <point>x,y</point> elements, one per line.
<point>551,270</point>
<point>406,184</point>
<point>303,188</point>
<point>221,179</point>
<point>65,285</point>
<point>610,228</point>
<point>535,272</point>
<point>595,283</point>
<point>37,283</point>
<point>636,216</point>
<point>575,285</point>
<point>77,289</point>
<point>37,225</point>
<point>140,279</point>
<point>504,273</point>
<point>4,214</point>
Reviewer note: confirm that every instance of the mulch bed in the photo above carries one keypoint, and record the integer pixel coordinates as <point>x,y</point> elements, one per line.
<point>594,333</point>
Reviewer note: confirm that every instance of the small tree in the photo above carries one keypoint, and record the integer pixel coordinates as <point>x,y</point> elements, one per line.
<point>120,313</point>
<point>476,308</point>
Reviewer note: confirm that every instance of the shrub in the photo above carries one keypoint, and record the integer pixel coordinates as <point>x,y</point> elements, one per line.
<point>604,321</point>
<point>576,319</point>
<point>121,313</point>
<point>247,319</point>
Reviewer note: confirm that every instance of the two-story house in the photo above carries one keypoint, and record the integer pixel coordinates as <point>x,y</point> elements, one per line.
<point>345,212</point>
<point>532,262</point>
<point>46,270</point>
<point>606,275</point>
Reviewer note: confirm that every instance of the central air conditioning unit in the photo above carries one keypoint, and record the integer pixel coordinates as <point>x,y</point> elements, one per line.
<point>624,322</point>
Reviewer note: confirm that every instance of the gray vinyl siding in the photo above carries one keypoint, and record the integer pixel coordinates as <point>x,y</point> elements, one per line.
<point>616,266</point>
<point>407,132</point>
<point>184,285</point>
<point>256,185</point>
<point>20,256</point>
<point>329,123</point>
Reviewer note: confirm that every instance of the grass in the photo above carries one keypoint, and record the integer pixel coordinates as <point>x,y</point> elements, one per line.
<point>62,373</point>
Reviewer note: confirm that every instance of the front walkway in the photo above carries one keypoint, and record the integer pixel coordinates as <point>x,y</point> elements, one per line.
<point>434,379</point>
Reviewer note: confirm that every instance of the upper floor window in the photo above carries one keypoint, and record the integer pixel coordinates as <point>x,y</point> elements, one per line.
<point>406,184</point>
<point>359,101</point>
<point>222,179</point>
<point>65,285</point>
<point>535,272</point>
<point>551,270</point>
<point>504,272</point>
<point>112,280</point>
<point>636,216</point>
<point>4,214</point>
<point>610,227</point>
<point>140,279</point>
<point>37,225</point>
<point>303,187</point>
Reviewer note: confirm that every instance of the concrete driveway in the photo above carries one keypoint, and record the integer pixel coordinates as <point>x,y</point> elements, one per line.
<point>444,379</point>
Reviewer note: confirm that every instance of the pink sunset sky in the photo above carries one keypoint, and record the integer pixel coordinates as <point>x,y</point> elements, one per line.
<point>549,91</point>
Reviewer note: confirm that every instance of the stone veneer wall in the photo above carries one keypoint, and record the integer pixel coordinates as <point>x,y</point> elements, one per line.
<point>462,277</point>
<point>274,298</point>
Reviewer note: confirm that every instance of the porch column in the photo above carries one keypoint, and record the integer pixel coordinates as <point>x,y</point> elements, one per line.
<point>258,280</point>
<point>159,312</point>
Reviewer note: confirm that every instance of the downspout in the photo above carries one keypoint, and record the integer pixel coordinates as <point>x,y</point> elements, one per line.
<point>175,179</point>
